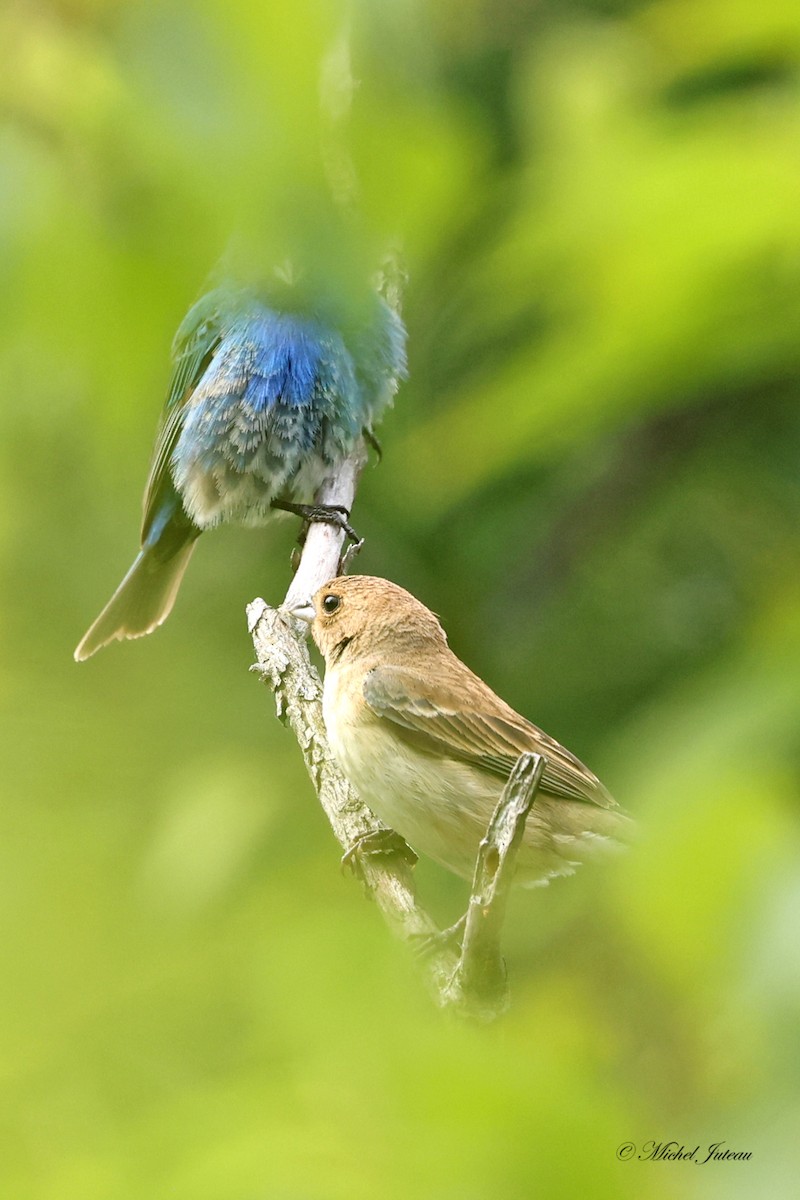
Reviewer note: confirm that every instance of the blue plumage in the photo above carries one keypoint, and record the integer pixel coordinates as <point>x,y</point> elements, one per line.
<point>264,401</point>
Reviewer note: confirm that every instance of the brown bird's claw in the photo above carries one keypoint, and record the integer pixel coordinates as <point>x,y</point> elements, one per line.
<point>429,943</point>
<point>377,842</point>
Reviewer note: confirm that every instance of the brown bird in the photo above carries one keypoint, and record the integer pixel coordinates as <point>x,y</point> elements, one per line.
<point>428,745</point>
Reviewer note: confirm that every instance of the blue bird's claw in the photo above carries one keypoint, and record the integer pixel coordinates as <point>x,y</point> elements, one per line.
<point>373,443</point>
<point>327,514</point>
<point>348,556</point>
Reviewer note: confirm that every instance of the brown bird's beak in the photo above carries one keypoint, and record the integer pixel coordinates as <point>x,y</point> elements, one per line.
<point>303,610</point>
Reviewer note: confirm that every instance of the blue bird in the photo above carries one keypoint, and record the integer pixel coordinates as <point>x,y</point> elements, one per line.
<point>265,399</point>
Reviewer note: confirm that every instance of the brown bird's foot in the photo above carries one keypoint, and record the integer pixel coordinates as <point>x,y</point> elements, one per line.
<point>327,514</point>
<point>429,943</point>
<point>377,842</point>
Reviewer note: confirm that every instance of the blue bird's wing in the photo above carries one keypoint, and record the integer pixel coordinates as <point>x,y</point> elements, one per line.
<point>433,716</point>
<point>379,354</point>
<point>198,336</point>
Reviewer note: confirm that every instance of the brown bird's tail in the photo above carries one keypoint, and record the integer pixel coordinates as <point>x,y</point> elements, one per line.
<point>144,598</point>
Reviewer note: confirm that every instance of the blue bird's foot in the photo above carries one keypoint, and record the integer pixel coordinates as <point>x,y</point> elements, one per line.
<point>327,514</point>
<point>373,443</point>
<point>348,556</point>
<point>344,562</point>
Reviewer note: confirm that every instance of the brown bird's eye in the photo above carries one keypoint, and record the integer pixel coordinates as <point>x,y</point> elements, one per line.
<point>330,603</point>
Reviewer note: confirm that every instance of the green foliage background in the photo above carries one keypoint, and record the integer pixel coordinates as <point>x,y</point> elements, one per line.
<point>592,475</point>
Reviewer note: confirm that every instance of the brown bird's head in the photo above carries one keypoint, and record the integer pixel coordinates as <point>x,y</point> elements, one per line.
<point>370,614</point>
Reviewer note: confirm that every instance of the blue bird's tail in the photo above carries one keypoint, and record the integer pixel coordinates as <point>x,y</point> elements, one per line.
<point>145,597</point>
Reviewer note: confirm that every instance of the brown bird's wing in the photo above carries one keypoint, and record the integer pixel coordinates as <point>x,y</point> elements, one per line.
<point>477,729</point>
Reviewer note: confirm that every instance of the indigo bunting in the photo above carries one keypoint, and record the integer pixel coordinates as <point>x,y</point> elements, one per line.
<point>268,394</point>
<point>428,745</point>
